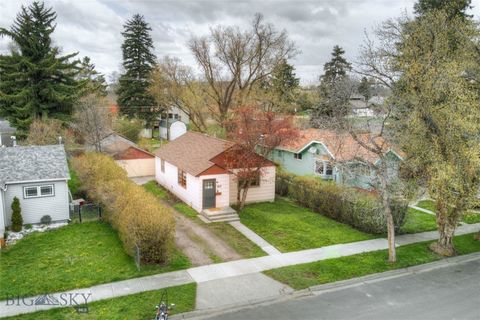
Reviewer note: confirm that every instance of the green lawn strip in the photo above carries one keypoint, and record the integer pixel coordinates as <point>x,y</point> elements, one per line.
<point>135,306</point>
<point>290,227</point>
<point>418,221</point>
<point>471,217</point>
<point>427,204</point>
<point>75,256</point>
<point>306,275</point>
<point>236,240</point>
<point>226,232</point>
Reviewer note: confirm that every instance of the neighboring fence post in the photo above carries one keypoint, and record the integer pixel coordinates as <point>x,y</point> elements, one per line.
<point>99,211</point>
<point>80,214</point>
<point>137,257</point>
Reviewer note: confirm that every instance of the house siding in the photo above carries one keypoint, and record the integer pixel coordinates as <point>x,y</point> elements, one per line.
<point>169,179</point>
<point>265,192</point>
<point>2,216</point>
<point>33,209</point>
<point>138,167</point>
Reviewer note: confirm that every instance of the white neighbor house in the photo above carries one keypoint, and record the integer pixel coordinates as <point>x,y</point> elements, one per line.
<point>38,176</point>
<point>188,168</point>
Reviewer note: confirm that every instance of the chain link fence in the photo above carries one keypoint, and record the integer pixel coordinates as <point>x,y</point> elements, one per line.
<point>85,212</point>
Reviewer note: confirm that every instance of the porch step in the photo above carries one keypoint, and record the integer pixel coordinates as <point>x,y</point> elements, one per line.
<point>220,215</point>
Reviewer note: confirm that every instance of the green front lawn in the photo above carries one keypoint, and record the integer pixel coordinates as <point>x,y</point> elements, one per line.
<point>75,256</point>
<point>427,204</point>
<point>471,217</point>
<point>306,275</point>
<point>290,227</point>
<point>418,221</point>
<point>135,306</point>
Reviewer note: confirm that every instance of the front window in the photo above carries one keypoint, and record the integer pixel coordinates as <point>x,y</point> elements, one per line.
<point>297,156</point>
<point>182,178</point>
<point>324,168</point>
<point>38,191</point>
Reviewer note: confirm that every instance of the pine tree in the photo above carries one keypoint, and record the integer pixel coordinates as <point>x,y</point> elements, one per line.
<point>282,86</point>
<point>365,89</point>
<point>36,81</point>
<point>451,7</point>
<point>17,220</point>
<point>138,62</point>
<point>334,89</point>
<point>95,81</point>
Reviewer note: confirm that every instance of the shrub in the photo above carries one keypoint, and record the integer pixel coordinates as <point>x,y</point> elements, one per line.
<point>28,226</point>
<point>129,128</point>
<point>17,220</point>
<point>362,211</point>
<point>46,219</point>
<point>137,215</point>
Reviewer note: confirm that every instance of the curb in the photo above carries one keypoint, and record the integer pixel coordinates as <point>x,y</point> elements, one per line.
<point>331,287</point>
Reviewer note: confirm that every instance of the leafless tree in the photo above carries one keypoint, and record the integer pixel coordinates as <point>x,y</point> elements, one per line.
<point>233,61</point>
<point>92,120</point>
<point>174,85</point>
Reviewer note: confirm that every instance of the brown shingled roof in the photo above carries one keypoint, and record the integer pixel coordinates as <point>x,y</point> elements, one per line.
<point>342,145</point>
<point>193,151</point>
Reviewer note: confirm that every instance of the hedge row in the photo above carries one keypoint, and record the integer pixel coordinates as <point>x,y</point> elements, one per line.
<point>347,205</point>
<point>136,214</point>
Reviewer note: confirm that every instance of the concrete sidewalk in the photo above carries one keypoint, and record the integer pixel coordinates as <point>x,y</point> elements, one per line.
<point>230,269</point>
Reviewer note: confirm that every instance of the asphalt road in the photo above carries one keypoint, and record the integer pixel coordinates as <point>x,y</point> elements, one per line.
<point>448,293</point>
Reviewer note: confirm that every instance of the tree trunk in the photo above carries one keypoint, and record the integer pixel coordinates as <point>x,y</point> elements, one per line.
<point>446,229</point>
<point>392,254</point>
<point>244,197</point>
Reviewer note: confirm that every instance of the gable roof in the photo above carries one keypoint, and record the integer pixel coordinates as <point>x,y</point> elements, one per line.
<point>340,146</point>
<point>120,148</point>
<point>193,151</point>
<point>33,163</point>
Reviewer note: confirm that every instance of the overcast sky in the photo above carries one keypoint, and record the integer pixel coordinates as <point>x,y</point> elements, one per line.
<point>92,27</point>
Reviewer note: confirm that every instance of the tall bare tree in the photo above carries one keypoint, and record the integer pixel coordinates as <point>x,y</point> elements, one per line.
<point>233,62</point>
<point>174,85</point>
<point>92,120</point>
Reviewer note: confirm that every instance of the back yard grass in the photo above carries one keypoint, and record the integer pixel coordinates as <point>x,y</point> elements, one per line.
<point>135,306</point>
<point>469,218</point>
<point>306,275</point>
<point>76,256</point>
<point>224,231</point>
<point>290,227</point>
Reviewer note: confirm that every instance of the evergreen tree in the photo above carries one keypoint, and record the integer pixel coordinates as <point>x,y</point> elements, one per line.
<point>95,81</point>
<point>451,7</point>
<point>17,220</point>
<point>138,63</point>
<point>282,86</point>
<point>35,80</point>
<point>365,89</point>
<point>335,87</point>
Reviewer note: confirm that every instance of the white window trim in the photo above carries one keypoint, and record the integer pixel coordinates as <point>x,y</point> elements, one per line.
<point>39,194</point>
<point>325,164</point>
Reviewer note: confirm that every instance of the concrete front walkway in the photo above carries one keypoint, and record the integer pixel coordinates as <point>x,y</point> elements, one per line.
<point>422,210</point>
<point>255,238</point>
<point>230,269</point>
<point>142,180</point>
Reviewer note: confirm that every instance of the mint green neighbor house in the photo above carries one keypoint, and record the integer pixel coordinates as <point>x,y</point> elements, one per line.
<point>335,157</point>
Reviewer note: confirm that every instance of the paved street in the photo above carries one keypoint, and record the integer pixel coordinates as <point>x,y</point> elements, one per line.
<point>448,293</point>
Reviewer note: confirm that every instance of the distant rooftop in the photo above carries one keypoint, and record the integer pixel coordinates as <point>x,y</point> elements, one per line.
<point>33,163</point>
<point>5,126</point>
